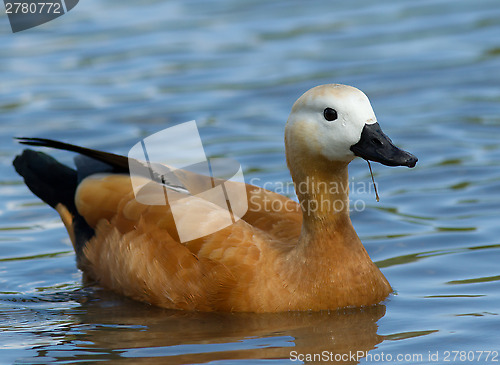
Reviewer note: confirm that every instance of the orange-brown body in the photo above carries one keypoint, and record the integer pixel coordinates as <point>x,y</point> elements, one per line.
<point>276,258</point>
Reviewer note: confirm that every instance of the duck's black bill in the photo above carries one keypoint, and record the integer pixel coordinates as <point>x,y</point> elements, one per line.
<point>374,145</point>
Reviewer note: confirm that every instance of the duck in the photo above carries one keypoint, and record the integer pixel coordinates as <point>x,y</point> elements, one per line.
<point>297,256</point>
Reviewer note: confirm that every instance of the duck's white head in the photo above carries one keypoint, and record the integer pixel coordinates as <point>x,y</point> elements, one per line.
<point>337,122</point>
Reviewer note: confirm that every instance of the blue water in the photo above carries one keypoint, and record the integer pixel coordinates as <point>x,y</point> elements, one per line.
<point>109,73</point>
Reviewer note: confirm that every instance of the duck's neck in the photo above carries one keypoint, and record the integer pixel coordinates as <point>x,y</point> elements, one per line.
<point>322,188</point>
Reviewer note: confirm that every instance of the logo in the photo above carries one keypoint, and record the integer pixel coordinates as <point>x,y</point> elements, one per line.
<point>25,14</point>
<point>170,168</point>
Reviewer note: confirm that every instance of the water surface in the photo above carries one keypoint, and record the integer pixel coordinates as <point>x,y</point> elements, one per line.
<point>108,73</point>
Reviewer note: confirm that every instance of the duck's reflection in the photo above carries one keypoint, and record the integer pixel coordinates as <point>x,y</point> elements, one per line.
<point>134,332</point>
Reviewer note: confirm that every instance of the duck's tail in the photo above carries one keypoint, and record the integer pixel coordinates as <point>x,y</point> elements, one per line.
<point>56,185</point>
<point>47,178</point>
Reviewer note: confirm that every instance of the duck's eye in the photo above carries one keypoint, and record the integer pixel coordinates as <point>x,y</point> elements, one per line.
<point>330,114</point>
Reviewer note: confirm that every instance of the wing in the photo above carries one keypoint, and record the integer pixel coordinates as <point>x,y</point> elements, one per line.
<point>136,249</point>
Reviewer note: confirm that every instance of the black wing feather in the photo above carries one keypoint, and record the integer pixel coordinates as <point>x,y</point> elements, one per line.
<point>118,162</point>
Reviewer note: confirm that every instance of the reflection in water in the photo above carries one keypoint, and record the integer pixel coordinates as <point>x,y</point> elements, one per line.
<point>112,327</point>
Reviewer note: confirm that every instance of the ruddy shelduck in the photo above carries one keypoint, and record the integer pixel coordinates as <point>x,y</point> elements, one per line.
<point>280,256</point>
